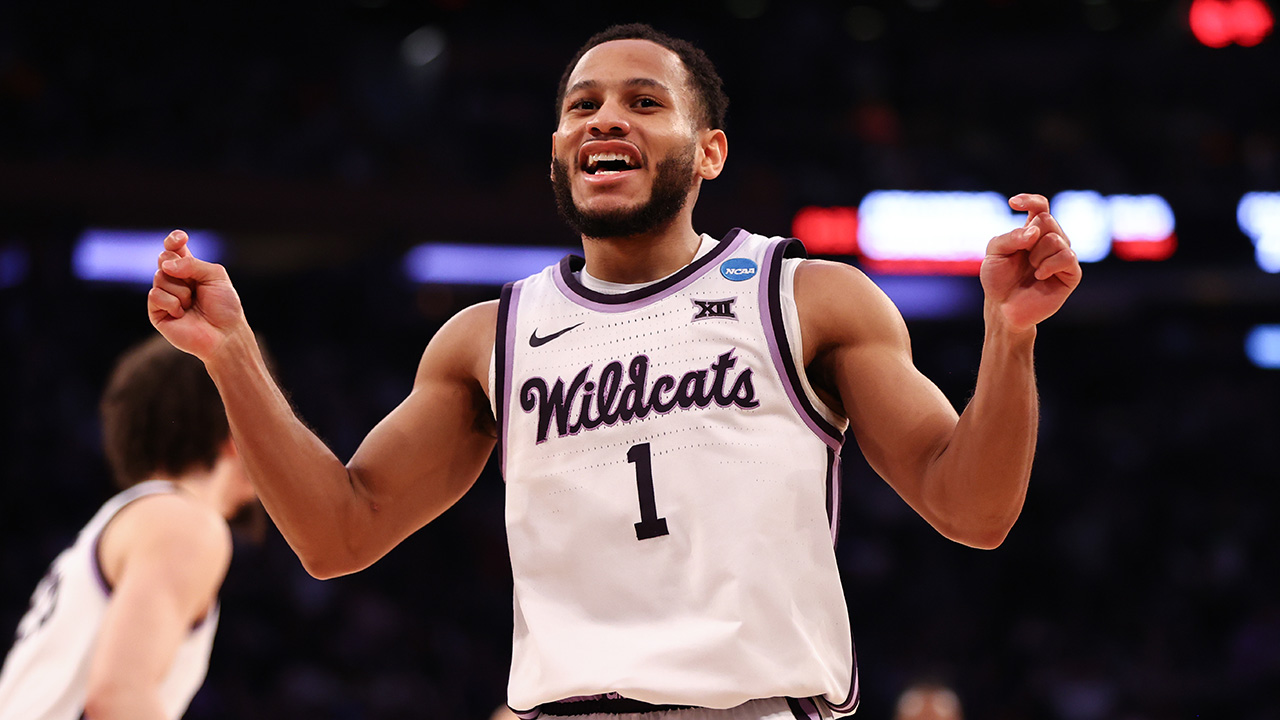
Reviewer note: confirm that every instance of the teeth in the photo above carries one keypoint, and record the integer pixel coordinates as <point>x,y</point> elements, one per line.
<point>597,158</point>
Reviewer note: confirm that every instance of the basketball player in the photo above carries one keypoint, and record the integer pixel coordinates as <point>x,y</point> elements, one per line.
<point>669,412</point>
<point>123,623</point>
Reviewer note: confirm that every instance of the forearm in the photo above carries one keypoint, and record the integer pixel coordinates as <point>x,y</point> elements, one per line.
<point>978,482</point>
<point>305,488</point>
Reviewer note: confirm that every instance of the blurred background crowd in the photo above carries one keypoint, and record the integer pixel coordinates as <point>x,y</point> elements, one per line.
<point>322,139</point>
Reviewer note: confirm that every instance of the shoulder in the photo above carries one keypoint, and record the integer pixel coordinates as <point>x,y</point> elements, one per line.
<point>472,328</point>
<point>827,275</point>
<point>166,527</point>
<point>839,304</point>
<point>463,345</point>
<point>483,314</point>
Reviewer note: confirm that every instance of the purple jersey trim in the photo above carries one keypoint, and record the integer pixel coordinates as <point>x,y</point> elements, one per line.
<point>503,365</point>
<point>850,704</point>
<point>135,492</point>
<point>833,494</point>
<point>804,709</point>
<point>98,574</point>
<point>779,347</point>
<point>574,290</point>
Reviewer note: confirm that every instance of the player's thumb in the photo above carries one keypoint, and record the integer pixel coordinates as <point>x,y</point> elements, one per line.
<point>189,267</point>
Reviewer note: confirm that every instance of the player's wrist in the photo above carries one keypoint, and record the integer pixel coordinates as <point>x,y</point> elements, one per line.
<point>1001,328</point>
<point>237,350</point>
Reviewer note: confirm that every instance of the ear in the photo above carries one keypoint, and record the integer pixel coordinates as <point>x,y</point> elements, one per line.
<point>228,449</point>
<point>715,150</point>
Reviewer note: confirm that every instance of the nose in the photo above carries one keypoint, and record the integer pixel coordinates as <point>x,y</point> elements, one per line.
<point>608,120</point>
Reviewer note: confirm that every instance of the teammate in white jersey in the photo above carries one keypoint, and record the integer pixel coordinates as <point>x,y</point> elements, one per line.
<point>123,623</point>
<point>669,410</point>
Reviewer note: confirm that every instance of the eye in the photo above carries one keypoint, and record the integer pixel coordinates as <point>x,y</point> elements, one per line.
<point>648,102</point>
<point>582,105</point>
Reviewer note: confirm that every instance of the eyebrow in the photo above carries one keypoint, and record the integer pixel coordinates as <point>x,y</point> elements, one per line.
<point>631,83</point>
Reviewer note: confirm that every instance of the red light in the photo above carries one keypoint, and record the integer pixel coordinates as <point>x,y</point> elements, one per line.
<point>1218,23</point>
<point>922,267</point>
<point>1253,22</point>
<point>1145,249</point>
<point>827,231</point>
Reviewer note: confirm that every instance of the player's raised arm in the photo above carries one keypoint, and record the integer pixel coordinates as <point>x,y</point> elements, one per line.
<point>966,475</point>
<point>415,463</point>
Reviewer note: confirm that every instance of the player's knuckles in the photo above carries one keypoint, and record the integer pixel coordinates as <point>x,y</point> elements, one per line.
<point>1060,262</point>
<point>1008,242</point>
<point>162,300</point>
<point>1058,239</point>
<point>1048,246</point>
<point>1050,225</point>
<point>163,279</point>
<point>179,290</point>
<point>999,245</point>
<point>175,265</point>
<point>191,268</point>
<point>215,271</point>
<point>1046,224</point>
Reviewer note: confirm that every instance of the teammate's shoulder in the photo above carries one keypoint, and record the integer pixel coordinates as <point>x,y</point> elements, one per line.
<point>172,517</point>
<point>165,525</point>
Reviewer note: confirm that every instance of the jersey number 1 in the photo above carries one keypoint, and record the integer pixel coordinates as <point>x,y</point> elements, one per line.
<point>650,525</point>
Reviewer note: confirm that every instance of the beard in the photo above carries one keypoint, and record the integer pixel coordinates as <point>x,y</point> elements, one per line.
<point>670,191</point>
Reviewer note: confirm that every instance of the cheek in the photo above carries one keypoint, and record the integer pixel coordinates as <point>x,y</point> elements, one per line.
<point>561,139</point>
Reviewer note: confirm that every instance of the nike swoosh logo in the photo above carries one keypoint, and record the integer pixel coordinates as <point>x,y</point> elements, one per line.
<point>535,341</point>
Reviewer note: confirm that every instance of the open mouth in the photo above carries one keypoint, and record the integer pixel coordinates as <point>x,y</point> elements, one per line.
<point>609,162</point>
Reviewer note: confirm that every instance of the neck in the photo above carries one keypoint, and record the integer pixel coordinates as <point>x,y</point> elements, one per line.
<point>642,258</point>
<point>208,489</point>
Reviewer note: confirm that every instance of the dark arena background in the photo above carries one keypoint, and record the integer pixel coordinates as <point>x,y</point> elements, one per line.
<point>334,154</point>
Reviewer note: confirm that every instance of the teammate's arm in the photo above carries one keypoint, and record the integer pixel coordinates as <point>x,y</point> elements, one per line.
<point>965,474</point>
<point>165,558</point>
<point>415,464</point>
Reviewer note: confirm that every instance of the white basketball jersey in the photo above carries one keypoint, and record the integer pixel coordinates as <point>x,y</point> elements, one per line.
<point>672,489</point>
<point>46,674</point>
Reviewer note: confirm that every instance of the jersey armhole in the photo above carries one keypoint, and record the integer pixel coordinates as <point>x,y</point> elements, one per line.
<point>493,360</point>
<point>123,500</point>
<point>791,325</point>
<point>500,366</point>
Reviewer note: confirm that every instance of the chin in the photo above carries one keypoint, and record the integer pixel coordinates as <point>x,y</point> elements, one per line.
<point>608,205</point>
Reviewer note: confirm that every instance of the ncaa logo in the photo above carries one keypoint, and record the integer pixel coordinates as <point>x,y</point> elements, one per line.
<point>738,269</point>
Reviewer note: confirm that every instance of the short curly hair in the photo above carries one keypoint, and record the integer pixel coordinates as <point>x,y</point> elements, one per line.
<point>161,415</point>
<point>702,73</point>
